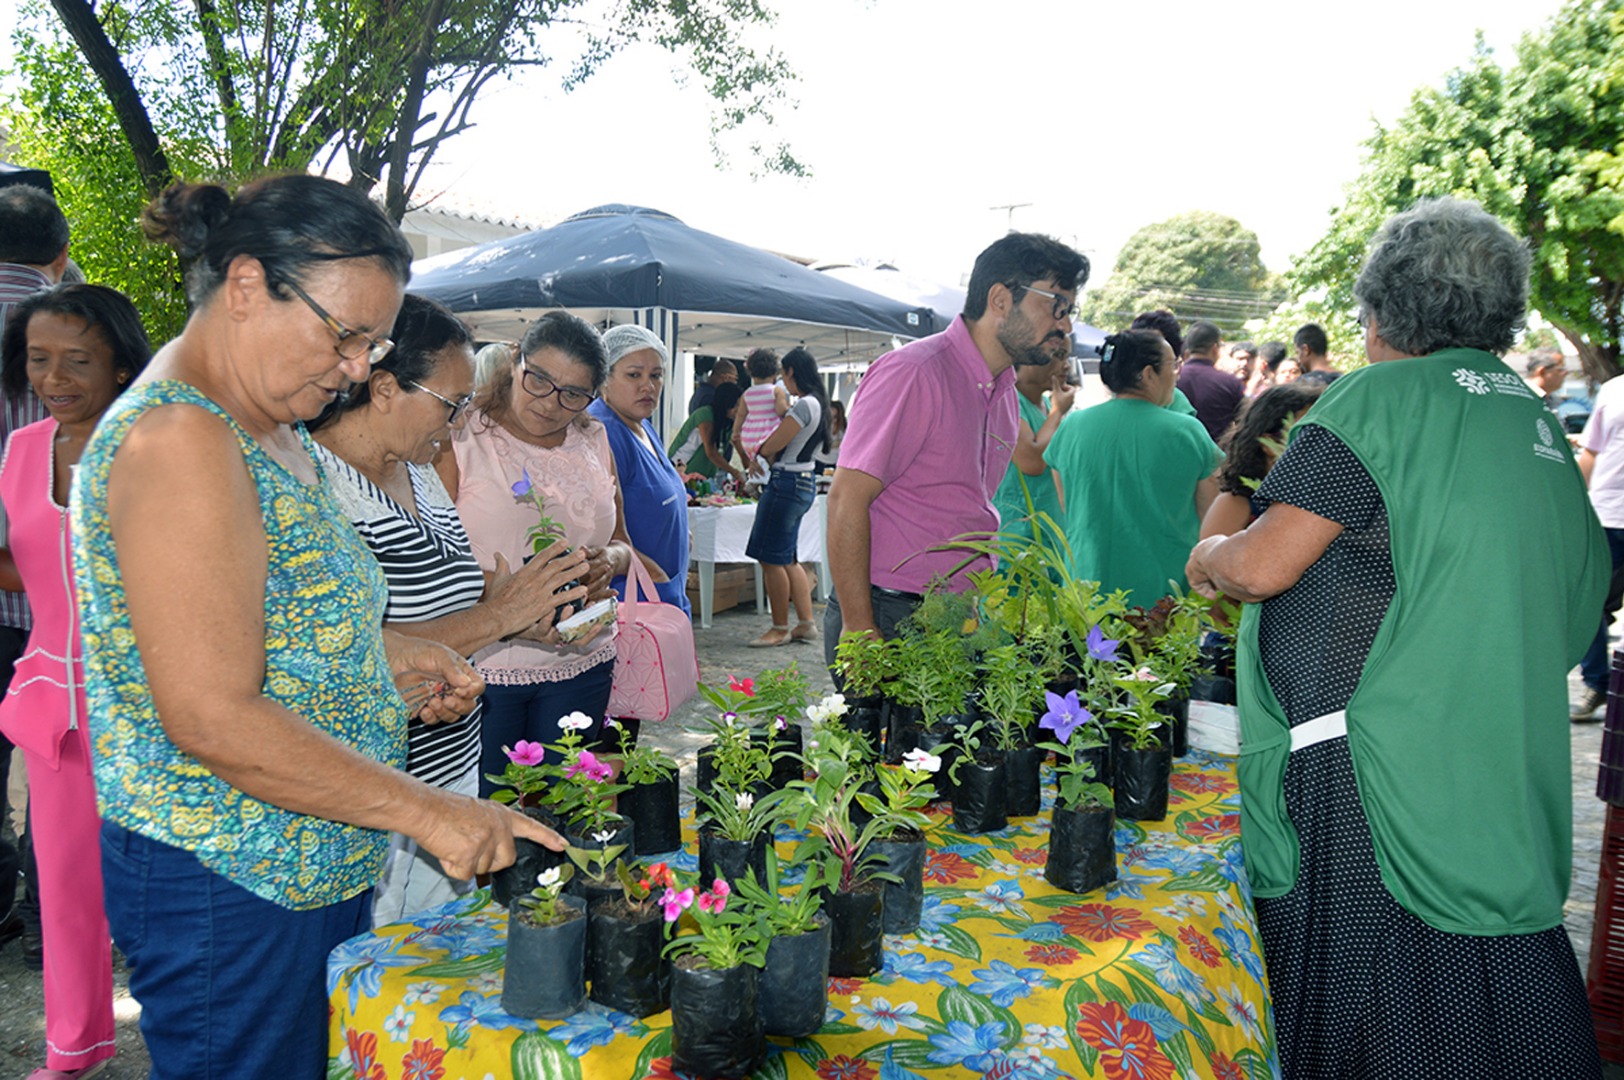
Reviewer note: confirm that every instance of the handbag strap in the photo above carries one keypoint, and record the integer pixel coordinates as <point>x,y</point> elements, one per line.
<point>638,582</point>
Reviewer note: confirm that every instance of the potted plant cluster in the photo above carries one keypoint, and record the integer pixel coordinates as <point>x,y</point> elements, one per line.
<point>716,1026</point>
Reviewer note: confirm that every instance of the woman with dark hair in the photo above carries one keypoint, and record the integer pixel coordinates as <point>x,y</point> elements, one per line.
<point>704,443</point>
<point>533,466</point>
<point>1165,323</point>
<point>1251,444</point>
<point>376,447</point>
<point>78,347</point>
<point>1406,783</point>
<point>651,492</point>
<point>786,497</point>
<point>245,700</point>
<point>1137,476</point>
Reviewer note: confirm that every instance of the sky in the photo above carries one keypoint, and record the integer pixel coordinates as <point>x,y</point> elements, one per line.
<point>922,120</point>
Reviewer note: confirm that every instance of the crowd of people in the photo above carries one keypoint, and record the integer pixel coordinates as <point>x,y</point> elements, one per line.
<point>294,582</point>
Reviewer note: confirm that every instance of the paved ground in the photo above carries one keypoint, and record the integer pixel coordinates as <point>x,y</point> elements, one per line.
<point>722,653</point>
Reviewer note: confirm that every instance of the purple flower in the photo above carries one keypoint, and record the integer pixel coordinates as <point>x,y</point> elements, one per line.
<point>522,488</point>
<point>1101,647</point>
<point>1064,714</point>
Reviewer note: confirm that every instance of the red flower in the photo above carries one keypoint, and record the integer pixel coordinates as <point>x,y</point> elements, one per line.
<point>1224,1069</point>
<point>423,1061</point>
<point>845,986</point>
<point>1201,784</point>
<point>747,687</point>
<point>1052,954</point>
<point>1032,856</point>
<point>1100,922</point>
<point>1127,1047</point>
<point>1200,948</point>
<point>662,1069</point>
<point>944,867</point>
<point>363,1047</point>
<point>1217,827</point>
<point>841,1067</point>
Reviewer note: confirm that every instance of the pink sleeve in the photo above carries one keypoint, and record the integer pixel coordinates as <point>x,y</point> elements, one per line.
<point>893,410</point>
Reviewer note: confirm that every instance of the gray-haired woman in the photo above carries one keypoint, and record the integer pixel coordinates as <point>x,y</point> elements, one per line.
<point>1405,782</point>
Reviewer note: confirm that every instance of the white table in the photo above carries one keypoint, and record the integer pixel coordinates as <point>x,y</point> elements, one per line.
<point>720,534</point>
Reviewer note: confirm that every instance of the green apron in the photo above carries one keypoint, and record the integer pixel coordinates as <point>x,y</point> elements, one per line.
<point>1458,729</point>
<point>1010,498</point>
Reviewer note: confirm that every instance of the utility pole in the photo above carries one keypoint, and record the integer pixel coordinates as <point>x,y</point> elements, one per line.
<point>1009,209</point>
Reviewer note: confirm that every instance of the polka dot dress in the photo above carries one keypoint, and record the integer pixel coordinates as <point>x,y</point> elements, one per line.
<point>1362,989</point>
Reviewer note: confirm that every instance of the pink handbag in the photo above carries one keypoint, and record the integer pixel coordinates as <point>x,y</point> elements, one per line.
<point>656,669</point>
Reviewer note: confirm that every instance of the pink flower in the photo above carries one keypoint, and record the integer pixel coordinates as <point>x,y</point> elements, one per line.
<point>589,766</point>
<point>722,888</point>
<point>747,687</point>
<point>674,903</point>
<point>525,753</point>
<point>714,900</point>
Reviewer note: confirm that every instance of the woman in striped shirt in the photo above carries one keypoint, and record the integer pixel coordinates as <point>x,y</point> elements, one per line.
<point>377,446</point>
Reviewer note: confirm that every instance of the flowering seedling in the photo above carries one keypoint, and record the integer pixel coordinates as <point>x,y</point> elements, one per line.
<point>542,901</point>
<point>584,791</point>
<point>546,532</point>
<point>729,934</point>
<point>595,863</point>
<point>1075,729</point>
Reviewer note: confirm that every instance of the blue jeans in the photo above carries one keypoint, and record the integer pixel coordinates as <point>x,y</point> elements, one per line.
<point>1593,668</point>
<point>784,502</point>
<point>532,712</point>
<point>230,985</point>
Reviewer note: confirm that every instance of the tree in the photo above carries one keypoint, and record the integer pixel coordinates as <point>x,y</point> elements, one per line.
<point>1199,265</point>
<point>1529,143</point>
<point>368,88</point>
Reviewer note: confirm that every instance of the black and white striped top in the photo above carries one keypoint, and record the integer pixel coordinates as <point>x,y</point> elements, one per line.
<point>431,571</point>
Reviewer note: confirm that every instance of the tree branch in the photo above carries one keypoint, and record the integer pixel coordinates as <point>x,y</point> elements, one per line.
<point>81,22</point>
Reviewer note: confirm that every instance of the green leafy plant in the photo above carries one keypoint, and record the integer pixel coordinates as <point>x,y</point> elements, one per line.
<point>739,760</point>
<point>866,662</point>
<point>739,815</point>
<point>1138,718</point>
<point>595,864</point>
<point>936,672</point>
<point>545,532</point>
<point>905,791</point>
<point>525,777</point>
<point>968,742</point>
<point>583,790</point>
<point>644,764</point>
<point>1075,730</point>
<point>542,902</point>
<point>785,913</point>
<point>1011,688</point>
<point>730,931</point>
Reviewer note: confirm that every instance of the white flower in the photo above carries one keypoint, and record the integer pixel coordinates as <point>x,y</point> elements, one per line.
<point>575,721</point>
<point>780,724</point>
<point>1144,674</point>
<point>399,1024</point>
<point>547,879</point>
<point>921,761</point>
<point>423,993</point>
<point>610,722</point>
<point>488,982</point>
<point>744,800</point>
<point>604,837</point>
<point>1044,1035</point>
<point>832,706</point>
<point>1241,1013</point>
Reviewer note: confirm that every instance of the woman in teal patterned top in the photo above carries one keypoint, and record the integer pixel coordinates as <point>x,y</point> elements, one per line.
<point>245,703</point>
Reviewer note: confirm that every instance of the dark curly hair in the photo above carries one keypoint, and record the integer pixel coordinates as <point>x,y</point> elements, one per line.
<point>1264,417</point>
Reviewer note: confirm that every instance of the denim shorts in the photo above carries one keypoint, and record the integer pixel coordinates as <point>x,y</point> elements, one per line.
<point>784,502</point>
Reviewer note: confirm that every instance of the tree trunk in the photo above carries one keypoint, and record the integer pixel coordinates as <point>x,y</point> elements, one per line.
<point>87,31</point>
<point>1600,362</point>
<point>411,109</point>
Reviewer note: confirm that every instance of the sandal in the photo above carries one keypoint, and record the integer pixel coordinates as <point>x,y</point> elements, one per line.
<point>765,641</point>
<point>805,630</point>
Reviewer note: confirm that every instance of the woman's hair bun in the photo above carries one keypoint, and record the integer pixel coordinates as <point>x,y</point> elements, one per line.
<point>184,214</point>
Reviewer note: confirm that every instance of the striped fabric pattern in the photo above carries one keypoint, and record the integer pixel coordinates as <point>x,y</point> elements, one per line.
<point>431,572</point>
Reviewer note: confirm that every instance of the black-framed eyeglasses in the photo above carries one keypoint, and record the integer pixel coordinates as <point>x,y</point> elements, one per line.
<point>540,384</point>
<point>457,407</point>
<point>1063,308</point>
<point>351,344</point>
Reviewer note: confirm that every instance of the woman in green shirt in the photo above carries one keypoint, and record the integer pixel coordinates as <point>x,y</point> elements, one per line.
<point>1137,476</point>
<point>703,444</point>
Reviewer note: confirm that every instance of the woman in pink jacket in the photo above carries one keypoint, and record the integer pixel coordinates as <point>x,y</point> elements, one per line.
<point>77,347</point>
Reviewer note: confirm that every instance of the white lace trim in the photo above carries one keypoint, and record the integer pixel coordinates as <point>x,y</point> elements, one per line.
<point>506,676</point>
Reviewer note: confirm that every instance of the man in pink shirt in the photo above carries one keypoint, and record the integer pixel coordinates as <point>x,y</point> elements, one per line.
<point>932,430</point>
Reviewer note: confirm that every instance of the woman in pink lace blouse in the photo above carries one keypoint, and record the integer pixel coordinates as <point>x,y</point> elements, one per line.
<point>530,439</point>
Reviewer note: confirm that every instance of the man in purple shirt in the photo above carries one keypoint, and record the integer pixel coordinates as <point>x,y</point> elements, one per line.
<point>932,430</point>
<point>1215,394</point>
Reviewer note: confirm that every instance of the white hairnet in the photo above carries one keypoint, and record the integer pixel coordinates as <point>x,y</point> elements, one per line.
<point>618,341</point>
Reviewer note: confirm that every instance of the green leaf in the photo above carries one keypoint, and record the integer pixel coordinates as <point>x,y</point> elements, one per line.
<point>1193,1017</point>
<point>465,968</point>
<point>1207,880</point>
<point>1079,993</point>
<point>957,1003</point>
<point>657,1047</point>
<point>1178,1051</point>
<point>538,1057</point>
<point>908,1053</point>
<point>840,1029</point>
<point>961,942</point>
<point>337,1070</point>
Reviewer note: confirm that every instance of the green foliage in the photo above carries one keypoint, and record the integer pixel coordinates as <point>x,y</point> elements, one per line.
<point>865,662</point>
<point>542,901</point>
<point>595,863</point>
<point>1537,144</point>
<point>739,815</point>
<point>1200,265</point>
<point>1011,688</point>
<point>1075,785</point>
<point>644,764</point>
<point>783,913</point>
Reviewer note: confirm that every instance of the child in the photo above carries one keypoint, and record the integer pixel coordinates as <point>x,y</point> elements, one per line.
<point>760,409</point>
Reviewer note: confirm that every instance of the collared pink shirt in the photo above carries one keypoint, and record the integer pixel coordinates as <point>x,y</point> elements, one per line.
<point>934,426</point>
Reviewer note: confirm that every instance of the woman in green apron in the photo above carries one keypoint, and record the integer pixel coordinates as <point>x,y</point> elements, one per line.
<point>1406,797</point>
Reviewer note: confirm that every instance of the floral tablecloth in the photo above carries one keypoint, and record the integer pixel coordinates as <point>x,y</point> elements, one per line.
<point>1156,976</point>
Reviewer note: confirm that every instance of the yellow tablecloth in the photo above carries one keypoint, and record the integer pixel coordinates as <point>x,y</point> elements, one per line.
<point>1156,976</point>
